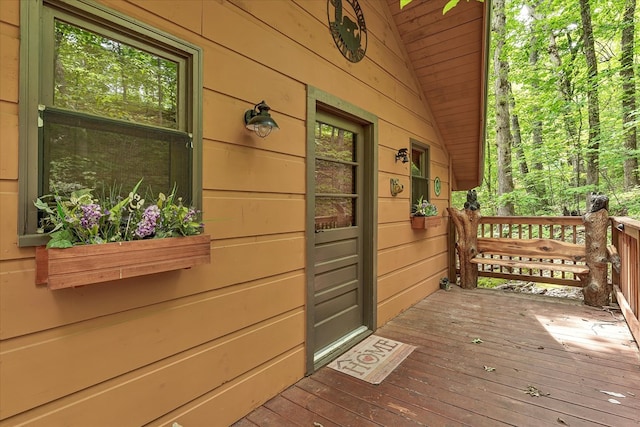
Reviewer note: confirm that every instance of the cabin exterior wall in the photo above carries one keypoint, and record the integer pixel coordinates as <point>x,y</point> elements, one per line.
<point>205,346</point>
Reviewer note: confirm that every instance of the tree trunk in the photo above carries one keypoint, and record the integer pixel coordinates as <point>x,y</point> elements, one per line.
<point>627,75</point>
<point>596,289</point>
<point>503,132</point>
<point>566,92</point>
<point>593,145</point>
<point>535,182</point>
<point>517,138</point>
<point>466,222</point>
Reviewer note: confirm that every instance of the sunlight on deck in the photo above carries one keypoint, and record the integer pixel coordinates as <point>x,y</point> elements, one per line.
<point>602,332</point>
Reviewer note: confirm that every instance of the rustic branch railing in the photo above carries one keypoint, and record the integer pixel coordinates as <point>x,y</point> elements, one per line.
<point>563,240</point>
<point>625,238</point>
<point>558,250</point>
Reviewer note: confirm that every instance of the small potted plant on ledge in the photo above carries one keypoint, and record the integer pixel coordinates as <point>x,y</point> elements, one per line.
<point>112,237</point>
<point>424,215</point>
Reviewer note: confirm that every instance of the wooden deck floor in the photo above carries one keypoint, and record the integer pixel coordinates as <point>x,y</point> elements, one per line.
<point>567,352</point>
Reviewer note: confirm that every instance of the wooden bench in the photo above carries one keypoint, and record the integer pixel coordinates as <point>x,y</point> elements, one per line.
<point>552,254</point>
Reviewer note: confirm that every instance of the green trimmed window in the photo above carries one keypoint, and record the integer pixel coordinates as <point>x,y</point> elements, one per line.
<point>419,172</point>
<point>105,101</point>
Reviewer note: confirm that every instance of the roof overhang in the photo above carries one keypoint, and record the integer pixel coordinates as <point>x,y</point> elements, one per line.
<point>449,54</point>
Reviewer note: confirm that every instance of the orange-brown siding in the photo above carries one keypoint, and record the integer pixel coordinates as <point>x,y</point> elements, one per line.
<point>205,346</point>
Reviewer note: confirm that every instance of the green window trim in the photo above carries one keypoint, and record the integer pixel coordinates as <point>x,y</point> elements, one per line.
<point>36,20</point>
<point>419,172</point>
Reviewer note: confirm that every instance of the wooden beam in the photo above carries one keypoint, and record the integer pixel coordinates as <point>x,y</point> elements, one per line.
<point>533,265</point>
<point>532,248</point>
<point>538,279</point>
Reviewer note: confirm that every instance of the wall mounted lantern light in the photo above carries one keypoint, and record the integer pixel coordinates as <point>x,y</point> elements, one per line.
<point>259,120</point>
<point>402,155</point>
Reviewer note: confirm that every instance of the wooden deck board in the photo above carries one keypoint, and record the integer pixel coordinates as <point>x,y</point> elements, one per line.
<point>394,398</point>
<point>264,415</point>
<point>296,413</point>
<point>571,353</point>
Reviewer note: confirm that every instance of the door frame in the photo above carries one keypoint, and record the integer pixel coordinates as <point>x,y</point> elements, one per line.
<point>320,100</point>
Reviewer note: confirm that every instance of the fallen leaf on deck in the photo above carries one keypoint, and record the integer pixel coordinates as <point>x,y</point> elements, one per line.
<point>477,341</point>
<point>612,393</point>
<point>614,401</point>
<point>489,368</point>
<point>533,391</point>
<point>561,421</point>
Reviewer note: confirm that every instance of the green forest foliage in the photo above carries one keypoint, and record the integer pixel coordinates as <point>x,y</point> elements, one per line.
<point>98,75</point>
<point>544,173</point>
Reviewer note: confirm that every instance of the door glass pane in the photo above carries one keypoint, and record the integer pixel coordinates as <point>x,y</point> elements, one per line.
<point>334,212</point>
<point>334,143</point>
<point>335,173</point>
<point>332,177</point>
<point>98,75</point>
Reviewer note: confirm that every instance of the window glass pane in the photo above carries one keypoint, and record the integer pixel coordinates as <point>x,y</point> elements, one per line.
<point>87,152</point>
<point>419,188</point>
<point>418,166</point>
<point>332,177</point>
<point>334,143</point>
<point>334,212</point>
<point>98,75</point>
<point>419,174</point>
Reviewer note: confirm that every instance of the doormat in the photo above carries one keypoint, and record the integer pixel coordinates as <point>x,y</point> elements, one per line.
<point>373,359</point>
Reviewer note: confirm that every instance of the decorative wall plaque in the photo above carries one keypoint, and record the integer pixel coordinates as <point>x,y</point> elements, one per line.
<point>346,23</point>
<point>437,186</point>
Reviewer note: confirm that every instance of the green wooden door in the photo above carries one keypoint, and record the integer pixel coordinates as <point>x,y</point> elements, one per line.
<point>338,243</point>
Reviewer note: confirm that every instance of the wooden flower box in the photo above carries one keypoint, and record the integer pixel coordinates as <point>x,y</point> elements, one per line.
<point>87,264</point>
<point>422,222</point>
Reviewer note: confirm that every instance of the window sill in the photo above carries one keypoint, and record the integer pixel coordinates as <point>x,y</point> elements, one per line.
<point>88,264</point>
<point>29,240</point>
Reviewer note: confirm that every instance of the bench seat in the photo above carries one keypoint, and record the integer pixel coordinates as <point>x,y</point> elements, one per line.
<point>538,265</point>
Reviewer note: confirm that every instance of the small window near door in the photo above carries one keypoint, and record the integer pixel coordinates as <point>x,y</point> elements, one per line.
<point>419,173</point>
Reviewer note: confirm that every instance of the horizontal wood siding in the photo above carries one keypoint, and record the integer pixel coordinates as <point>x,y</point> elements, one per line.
<point>205,346</point>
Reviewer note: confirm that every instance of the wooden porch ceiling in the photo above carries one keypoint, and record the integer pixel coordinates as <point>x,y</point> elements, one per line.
<point>568,353</point>
<point>448,56</point>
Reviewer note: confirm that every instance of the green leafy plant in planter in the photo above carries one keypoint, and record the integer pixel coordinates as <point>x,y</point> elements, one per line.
<point>83,219</point>
<point>424,215</point>
<point>424,208</point>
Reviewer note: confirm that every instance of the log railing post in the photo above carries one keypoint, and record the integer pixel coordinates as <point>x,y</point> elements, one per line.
<point>596,288</point>
<point>466,221</point>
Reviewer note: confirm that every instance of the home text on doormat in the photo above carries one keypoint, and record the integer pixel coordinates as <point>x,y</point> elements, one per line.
<point>373,359</point>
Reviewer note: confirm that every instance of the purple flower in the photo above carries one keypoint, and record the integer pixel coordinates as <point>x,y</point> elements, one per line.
<point>91,215</point>
<point>147,225</point>
<point>190,215</point>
